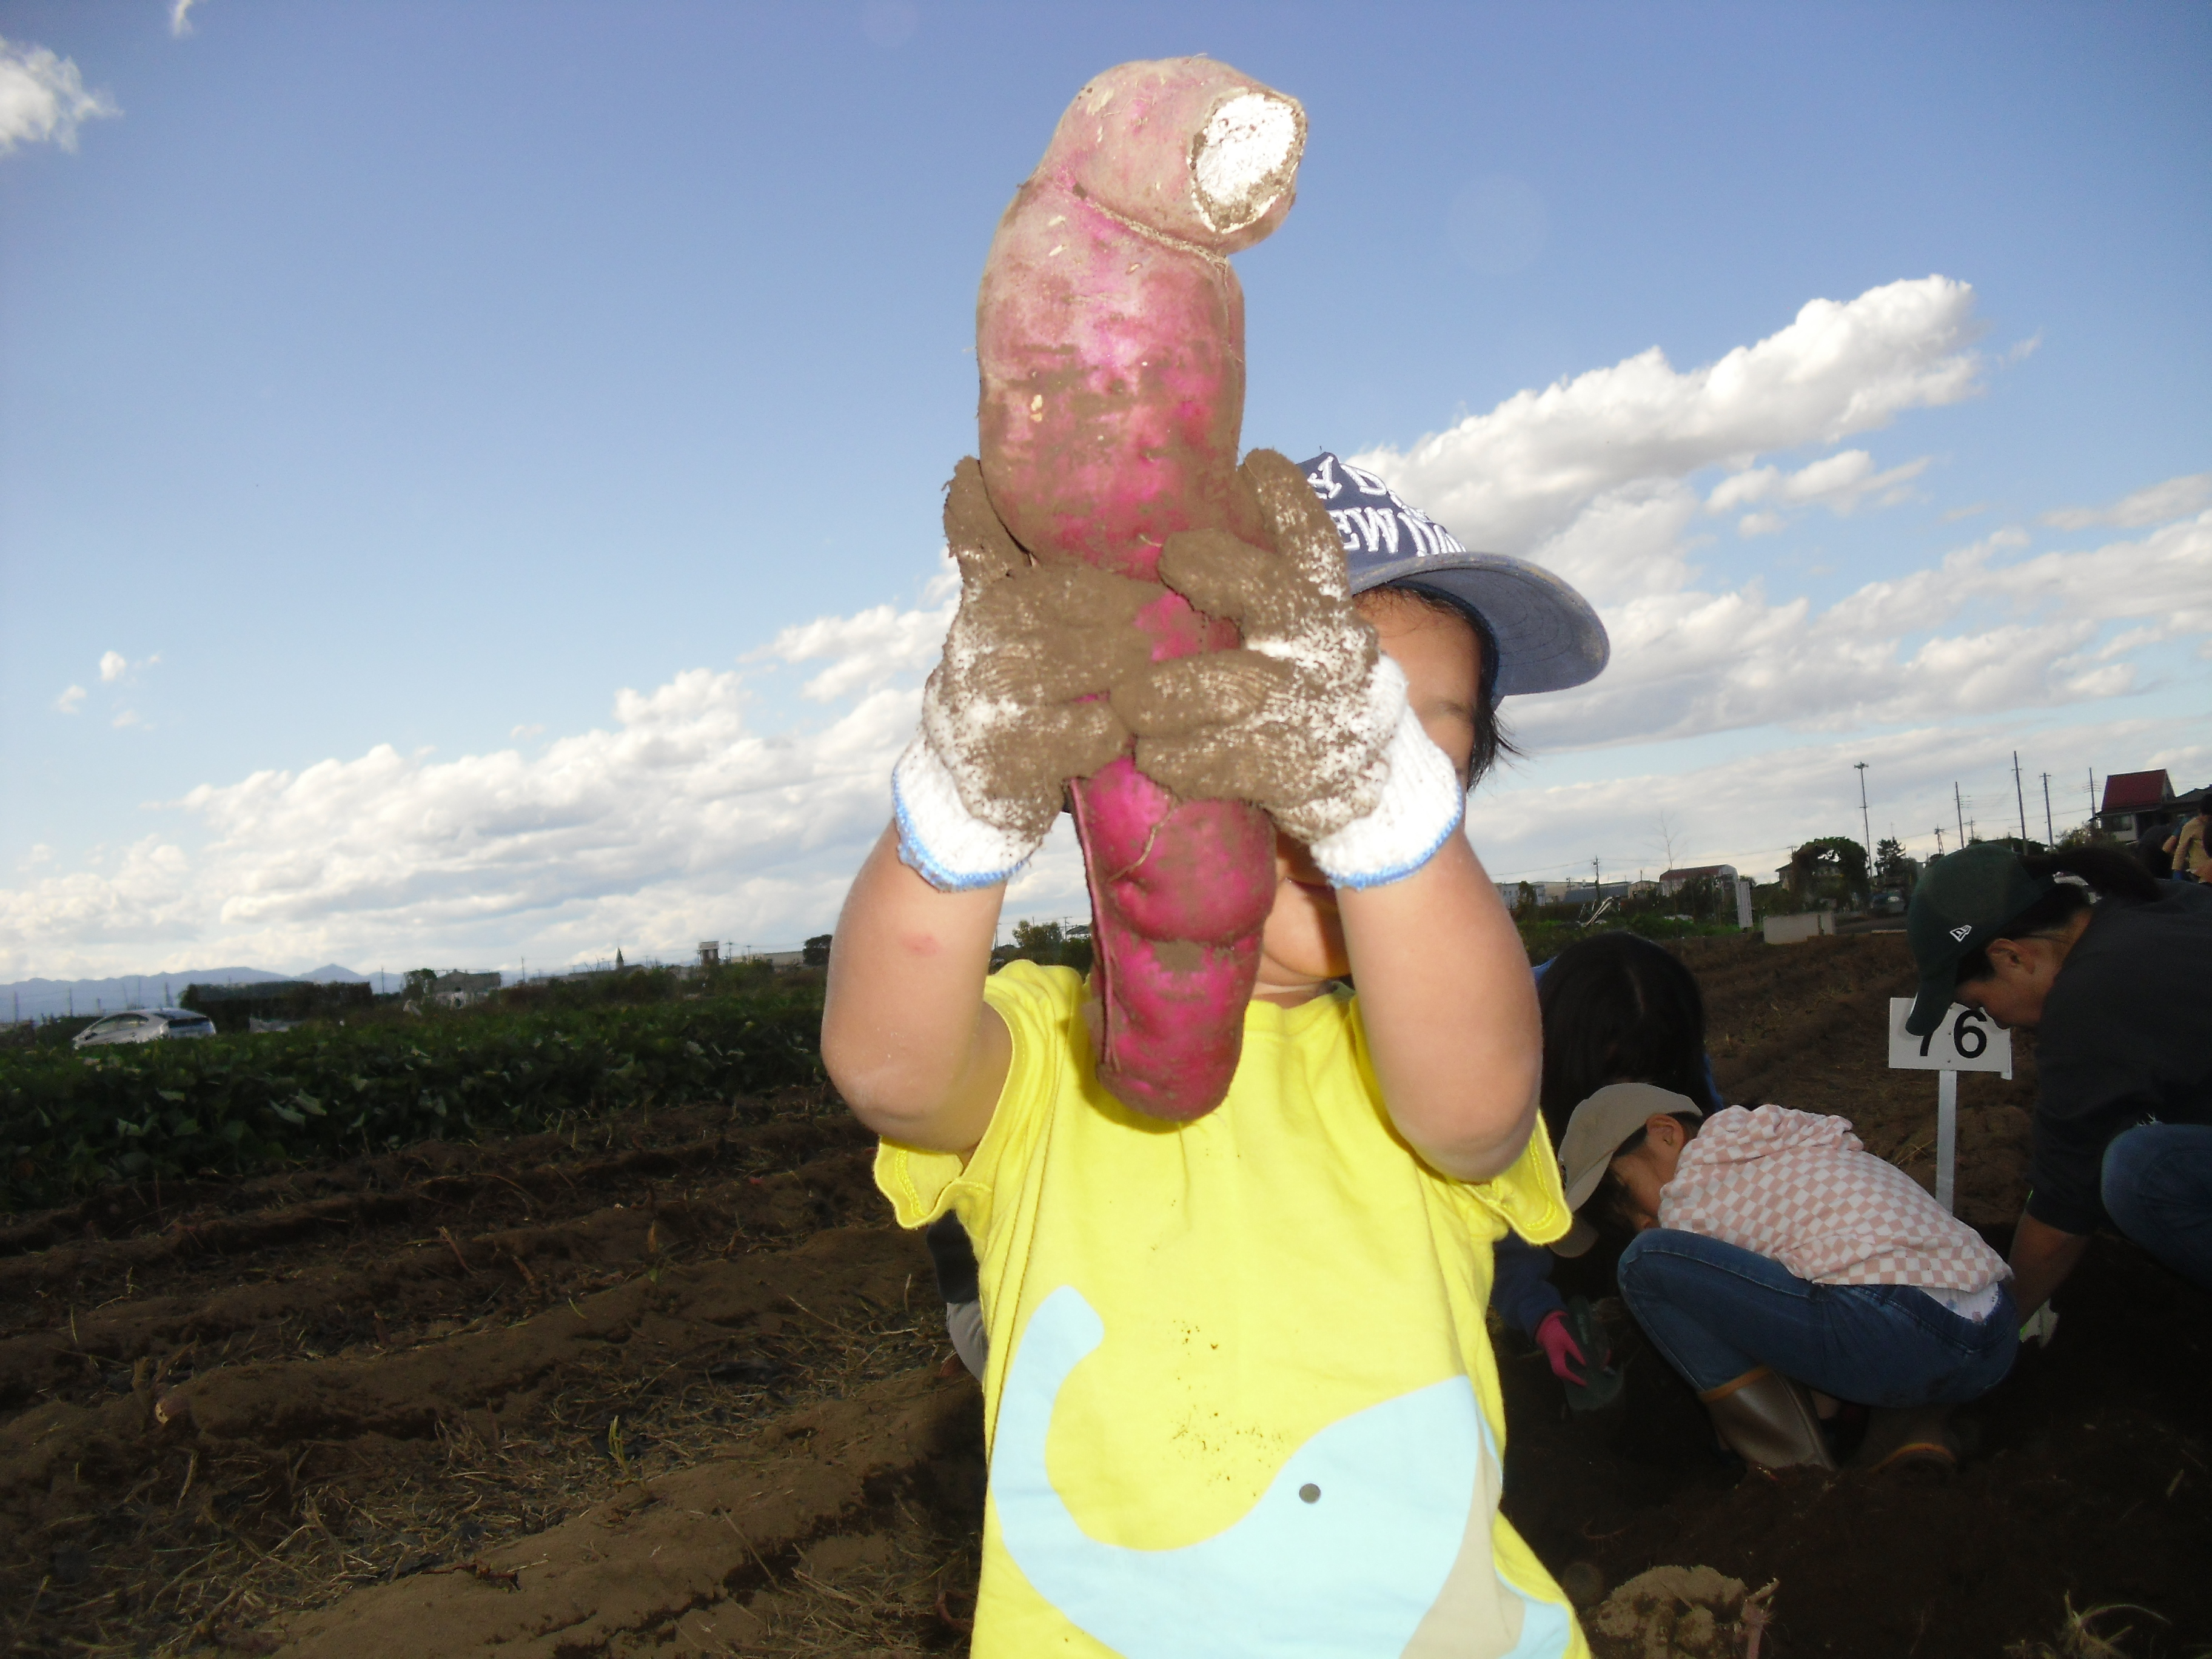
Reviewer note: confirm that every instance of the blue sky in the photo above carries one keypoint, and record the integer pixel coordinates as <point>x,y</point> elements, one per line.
<point>427,375</point>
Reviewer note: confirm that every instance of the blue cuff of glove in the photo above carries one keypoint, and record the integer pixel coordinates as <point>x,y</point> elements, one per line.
<point>1420,808</point>
<point>939,839</point>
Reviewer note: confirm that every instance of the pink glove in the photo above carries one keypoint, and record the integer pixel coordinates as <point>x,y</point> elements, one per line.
<point>1560,1348</point>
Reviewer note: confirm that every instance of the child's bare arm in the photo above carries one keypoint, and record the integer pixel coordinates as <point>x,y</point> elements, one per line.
<point>906,1035</point>
<point>1013,709</point>
<point>1451,1011</point>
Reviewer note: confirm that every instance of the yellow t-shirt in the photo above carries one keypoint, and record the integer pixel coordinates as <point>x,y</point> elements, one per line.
<point>2189,847</point>
<point>1240,1400</point>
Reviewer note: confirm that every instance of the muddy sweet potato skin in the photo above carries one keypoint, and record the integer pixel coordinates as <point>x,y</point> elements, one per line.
<point>1111,343</point>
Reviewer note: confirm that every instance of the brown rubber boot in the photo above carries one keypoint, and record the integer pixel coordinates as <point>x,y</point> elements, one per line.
<point>1908,1436</point>
<point>1768,1421</point>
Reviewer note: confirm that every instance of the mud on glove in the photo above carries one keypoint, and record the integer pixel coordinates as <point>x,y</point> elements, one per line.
<point>1003,725</point>
<point>1308,719</point>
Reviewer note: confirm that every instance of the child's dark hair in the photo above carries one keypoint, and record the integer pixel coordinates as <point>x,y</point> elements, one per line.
<point>1619,1009</point>
<point>1490,738</point>
<point>2109,874</point>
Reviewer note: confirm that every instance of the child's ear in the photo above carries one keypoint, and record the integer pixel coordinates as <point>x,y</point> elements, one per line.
<point>1664,1128</point>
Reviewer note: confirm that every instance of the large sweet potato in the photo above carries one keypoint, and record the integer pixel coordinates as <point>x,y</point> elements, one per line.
<point>1110,338</point>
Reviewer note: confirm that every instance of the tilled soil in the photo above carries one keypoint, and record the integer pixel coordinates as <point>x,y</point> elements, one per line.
<point>674,1385</point>
<point>424,1372</point>
<point>2093,1486</point>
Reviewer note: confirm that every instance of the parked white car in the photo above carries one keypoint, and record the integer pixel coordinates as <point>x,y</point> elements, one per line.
<point>144,1025</point>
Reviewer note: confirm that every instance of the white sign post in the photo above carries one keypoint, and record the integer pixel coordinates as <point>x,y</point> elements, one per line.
<point>1966,1040</point>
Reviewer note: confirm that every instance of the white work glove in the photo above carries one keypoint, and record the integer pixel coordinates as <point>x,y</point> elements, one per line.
<point>1309,719</point>
<point>1002,729</point>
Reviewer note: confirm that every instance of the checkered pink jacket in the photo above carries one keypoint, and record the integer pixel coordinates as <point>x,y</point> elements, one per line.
<point>1799,1188</point>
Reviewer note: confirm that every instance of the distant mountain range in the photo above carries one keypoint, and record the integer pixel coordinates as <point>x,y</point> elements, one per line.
<point>33,998</point>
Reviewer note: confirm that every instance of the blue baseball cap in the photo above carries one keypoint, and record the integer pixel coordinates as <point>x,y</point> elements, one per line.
<point>1544,635</point>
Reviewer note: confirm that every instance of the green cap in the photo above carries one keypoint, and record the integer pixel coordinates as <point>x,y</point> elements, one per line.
<point>1963,901</point>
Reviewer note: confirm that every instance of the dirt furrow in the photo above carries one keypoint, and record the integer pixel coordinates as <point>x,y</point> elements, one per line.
<point>674,1565</point>
<point>334,1304</point>
<point>68,1247</point>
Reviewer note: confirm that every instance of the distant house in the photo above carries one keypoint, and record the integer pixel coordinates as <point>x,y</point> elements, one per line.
<point>459,990</point>
<point>1571,892</point>
<point>1672,882</point>
<point>2134,801</point>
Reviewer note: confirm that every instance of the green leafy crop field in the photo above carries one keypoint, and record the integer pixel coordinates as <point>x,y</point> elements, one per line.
<point>71,1121</point>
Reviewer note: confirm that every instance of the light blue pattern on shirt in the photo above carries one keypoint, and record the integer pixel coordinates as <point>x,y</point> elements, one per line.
<point>1348,1572</point>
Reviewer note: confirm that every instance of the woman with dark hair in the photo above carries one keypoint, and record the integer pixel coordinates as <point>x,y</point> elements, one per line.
<point>1771,1252</point>
<point>1618,1006</point>
<point>2112,971</point>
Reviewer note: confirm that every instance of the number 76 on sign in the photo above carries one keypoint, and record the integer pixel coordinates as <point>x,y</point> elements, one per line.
<point>1966,1040</point>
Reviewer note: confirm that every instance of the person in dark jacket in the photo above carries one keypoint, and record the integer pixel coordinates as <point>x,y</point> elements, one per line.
<point>2106,965</point>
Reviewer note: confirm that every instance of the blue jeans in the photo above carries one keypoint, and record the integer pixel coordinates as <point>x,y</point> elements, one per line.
<point>2157,1187</point>
<point>1716,1312</point>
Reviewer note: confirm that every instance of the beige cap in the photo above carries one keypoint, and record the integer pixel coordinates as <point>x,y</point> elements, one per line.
<point>1595,1131</point>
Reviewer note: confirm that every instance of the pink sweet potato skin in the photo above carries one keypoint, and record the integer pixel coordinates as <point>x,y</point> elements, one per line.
<point>1110,341</point>
<point>1179,892</point>
<point>1109,330</point>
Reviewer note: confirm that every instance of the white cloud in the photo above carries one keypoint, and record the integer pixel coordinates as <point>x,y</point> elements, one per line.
<point>1591,478</point>
<point>43,99</point>
<point>871,648</point>
<point>70,702</point>
<point>521,732</point>
<point>2161,503</point>
<point>680,821</point>
<point>1523,472</point>
<point>180,17</point>
<point>112,666</point>
<point>1982,632</point>
<point>1839,481</point>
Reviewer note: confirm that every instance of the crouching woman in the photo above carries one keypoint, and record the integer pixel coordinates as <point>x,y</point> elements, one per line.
<point>1772,1253</point>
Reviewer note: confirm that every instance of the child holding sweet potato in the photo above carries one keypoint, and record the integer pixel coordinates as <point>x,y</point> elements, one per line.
<point>1239,1397</point>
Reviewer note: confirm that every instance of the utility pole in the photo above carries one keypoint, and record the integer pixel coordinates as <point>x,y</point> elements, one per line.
<point>1938,840</point>
<point>2093,798</point>
<point>2018,796</point>
<point>2050,835</point>
<point>1866,826</point>
<point>1959,805</point>
<point>1595,885</point>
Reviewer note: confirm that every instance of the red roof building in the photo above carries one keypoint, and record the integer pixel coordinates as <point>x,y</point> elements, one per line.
<point>2131,792</point>
<point>2134,800</point>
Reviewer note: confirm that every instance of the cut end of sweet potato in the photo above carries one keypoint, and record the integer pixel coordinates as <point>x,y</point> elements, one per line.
<point>1245,157</point>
